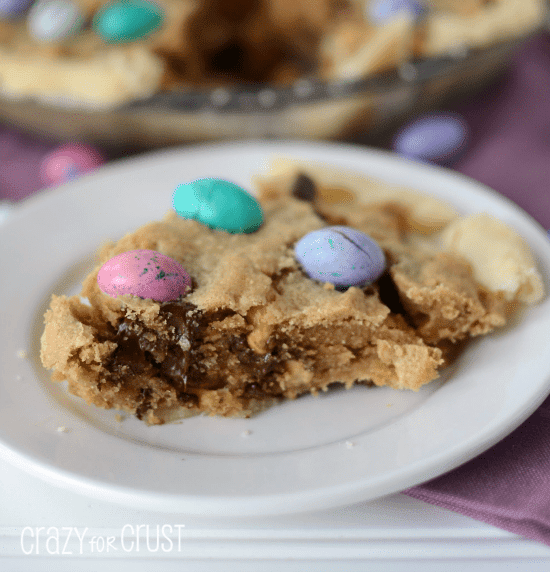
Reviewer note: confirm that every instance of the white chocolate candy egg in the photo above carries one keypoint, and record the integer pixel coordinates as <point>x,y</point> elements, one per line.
<point>145,274</point>
<point>51,20</point>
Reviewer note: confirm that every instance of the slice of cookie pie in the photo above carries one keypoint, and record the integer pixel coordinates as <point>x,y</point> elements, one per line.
<point>252,321</point>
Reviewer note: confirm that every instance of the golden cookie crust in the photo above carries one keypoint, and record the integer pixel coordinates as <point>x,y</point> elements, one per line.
<point>255,329</point>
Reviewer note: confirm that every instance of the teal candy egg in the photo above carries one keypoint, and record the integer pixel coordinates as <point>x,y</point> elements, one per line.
<point>127,20</point>
<point>218,204</point>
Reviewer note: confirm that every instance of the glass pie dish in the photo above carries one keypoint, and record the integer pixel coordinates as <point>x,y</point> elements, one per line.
<point>366,78</point>
<point>308,109</point>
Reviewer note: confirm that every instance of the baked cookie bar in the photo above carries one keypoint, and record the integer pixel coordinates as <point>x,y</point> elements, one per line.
<point>255,328</point>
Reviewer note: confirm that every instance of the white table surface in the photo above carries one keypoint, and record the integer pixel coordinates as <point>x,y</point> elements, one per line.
<point>396,533</point>
<point>46,528</point>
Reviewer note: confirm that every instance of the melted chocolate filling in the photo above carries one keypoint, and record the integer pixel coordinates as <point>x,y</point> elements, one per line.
<point>177,357</point>
<point>304,188</point>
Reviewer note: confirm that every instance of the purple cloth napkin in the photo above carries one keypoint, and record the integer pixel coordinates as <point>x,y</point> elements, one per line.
<point>20,159</point>
<point>508,486</point>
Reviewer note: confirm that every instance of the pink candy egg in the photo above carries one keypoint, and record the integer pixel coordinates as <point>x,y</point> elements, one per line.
<point>145,274</point>
<point>69,161</point>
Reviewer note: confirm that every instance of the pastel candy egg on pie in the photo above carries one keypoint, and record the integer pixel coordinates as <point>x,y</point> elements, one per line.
<point>145,274</point>
<point>218,204</point>
<point>380,11</point>
<point>127,20</point>
<point>51,20</point>
<point>13,8</point>
<point>340,255</point>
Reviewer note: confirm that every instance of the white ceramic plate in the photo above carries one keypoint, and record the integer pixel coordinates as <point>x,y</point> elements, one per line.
<point>312,453</point>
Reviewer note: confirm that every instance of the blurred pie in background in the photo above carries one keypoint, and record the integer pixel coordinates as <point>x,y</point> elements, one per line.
<point>98,55</point>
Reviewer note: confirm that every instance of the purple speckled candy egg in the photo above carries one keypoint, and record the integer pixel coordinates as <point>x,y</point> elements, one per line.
<point>380,11</point>
<point>68,161</point>
<point>13,8</point>
<point>340,255</point>
<point>145,274</point>
<point>436,137</point>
